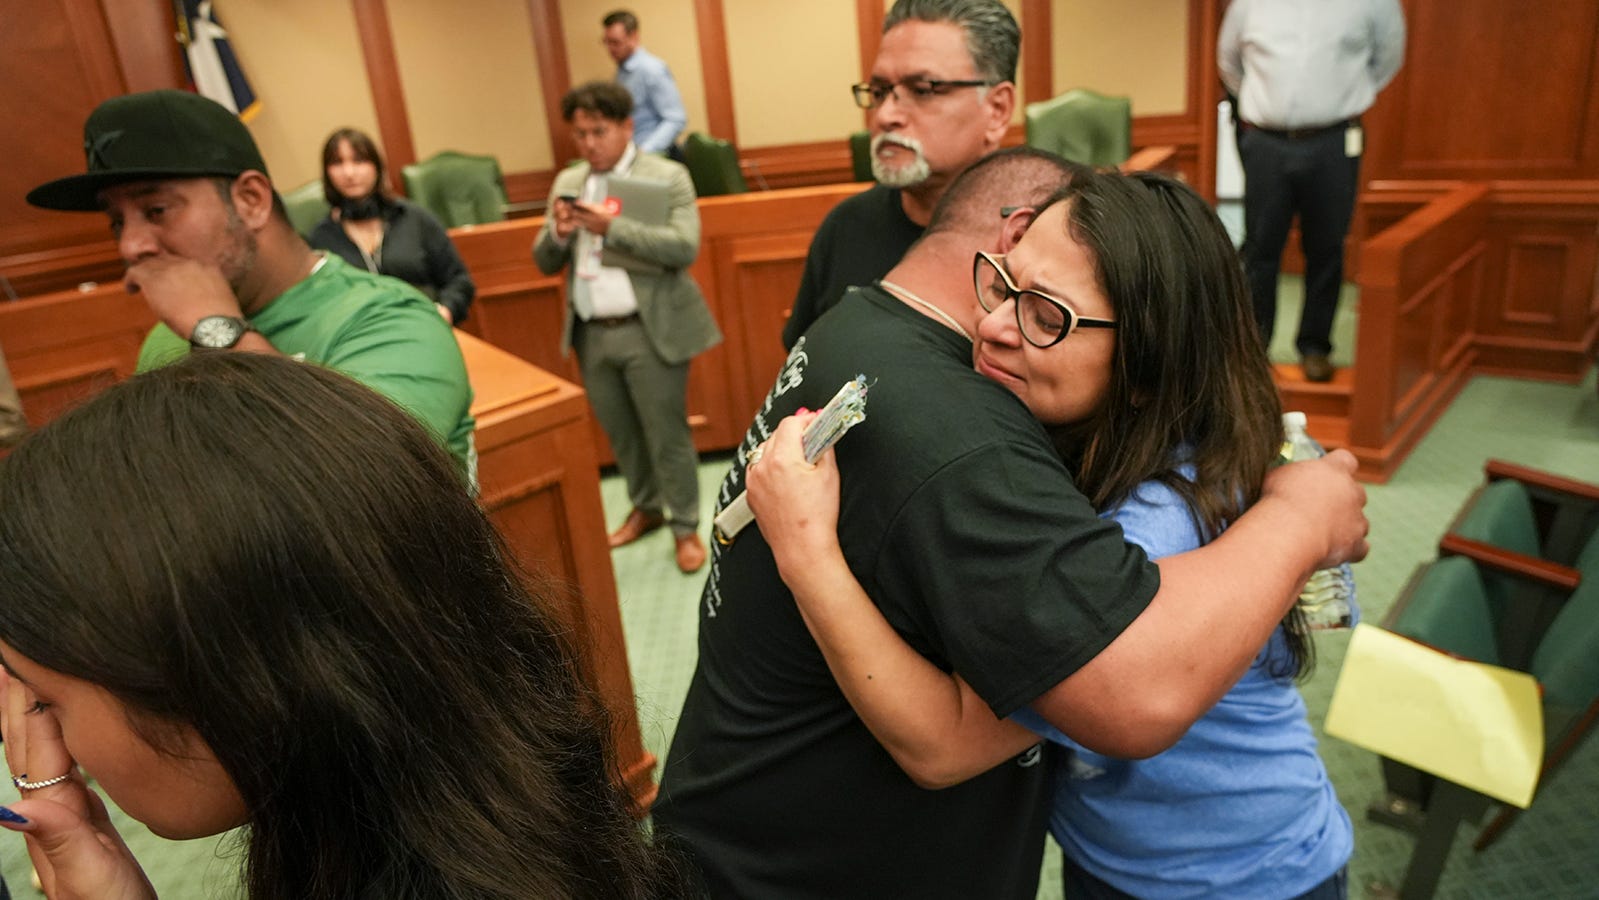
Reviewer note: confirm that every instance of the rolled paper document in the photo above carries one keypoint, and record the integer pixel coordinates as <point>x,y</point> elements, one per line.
<point>843,412</point>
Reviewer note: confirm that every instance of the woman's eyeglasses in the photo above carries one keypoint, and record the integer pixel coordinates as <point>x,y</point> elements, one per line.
<point>1044,321</point>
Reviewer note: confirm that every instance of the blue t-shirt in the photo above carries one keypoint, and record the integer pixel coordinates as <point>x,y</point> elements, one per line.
<point>1241,807</point>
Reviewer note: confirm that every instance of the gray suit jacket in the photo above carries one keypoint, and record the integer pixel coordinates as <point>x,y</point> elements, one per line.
<point>671,308</point>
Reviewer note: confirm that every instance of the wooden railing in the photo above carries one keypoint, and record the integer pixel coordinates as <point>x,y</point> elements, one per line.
<point>1420,281</point>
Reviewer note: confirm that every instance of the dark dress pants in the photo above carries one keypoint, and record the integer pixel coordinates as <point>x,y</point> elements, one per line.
<point>1313,177</point>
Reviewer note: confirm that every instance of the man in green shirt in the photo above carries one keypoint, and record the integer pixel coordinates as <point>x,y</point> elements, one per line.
<point>209,247</point>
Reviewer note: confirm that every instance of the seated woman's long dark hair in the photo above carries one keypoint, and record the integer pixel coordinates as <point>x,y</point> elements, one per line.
<point>278,557</point>
<point>1191,381</point>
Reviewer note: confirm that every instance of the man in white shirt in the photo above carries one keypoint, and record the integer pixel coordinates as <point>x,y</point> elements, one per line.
<point>1303,72</point>
<point>635,328</point>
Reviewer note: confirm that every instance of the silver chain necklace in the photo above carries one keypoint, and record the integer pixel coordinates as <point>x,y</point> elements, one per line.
<point>904,294</point>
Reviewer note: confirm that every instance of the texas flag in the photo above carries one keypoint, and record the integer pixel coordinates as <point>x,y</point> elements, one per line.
<point>213,69</point>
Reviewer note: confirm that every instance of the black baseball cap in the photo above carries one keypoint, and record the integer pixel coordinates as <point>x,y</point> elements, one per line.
<point>155,134</point>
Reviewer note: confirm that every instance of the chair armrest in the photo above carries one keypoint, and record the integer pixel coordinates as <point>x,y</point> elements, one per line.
<point>1540,571</point>
<point>1498,469</point>
<point>1150,159</point>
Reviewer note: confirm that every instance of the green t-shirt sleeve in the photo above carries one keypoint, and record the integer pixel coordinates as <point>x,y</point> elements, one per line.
<point>162,347</point>
<point>408,354</point>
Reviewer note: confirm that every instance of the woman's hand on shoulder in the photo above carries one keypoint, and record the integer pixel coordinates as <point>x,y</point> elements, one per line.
<point>795,502</point>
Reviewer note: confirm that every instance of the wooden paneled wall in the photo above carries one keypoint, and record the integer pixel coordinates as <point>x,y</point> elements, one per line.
<point>1421,281</point>
<point>1507,95</point>
<point>58,60</point>
<point>1491,90</point>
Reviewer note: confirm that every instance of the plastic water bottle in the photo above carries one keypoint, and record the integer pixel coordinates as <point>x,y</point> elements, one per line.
<point>1329,596</point>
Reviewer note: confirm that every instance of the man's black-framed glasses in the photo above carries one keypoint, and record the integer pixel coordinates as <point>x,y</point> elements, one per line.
<point>1043,320</point>
<point>871,94</point>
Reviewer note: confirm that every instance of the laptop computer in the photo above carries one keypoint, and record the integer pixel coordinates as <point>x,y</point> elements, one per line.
<point>643,200</point>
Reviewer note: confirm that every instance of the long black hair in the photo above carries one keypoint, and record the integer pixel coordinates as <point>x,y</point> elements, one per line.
<point>285,562</point>
<point>1190,380</point>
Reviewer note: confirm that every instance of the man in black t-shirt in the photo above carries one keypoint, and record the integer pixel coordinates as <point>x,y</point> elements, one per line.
<point>964,528</point>
<point>941,93</point>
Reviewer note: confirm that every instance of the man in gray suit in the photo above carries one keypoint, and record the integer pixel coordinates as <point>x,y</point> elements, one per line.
<point>633,314</point>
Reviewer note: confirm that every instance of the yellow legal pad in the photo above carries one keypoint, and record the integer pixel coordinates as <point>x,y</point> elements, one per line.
<point>1477,725</point>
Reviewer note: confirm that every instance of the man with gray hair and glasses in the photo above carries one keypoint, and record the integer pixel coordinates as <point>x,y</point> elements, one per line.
<point>941,93</point>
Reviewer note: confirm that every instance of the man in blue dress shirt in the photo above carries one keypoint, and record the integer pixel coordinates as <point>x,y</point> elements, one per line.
<point>658,116</point>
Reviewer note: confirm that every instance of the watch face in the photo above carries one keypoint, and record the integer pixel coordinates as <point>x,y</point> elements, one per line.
<point>217,332</point>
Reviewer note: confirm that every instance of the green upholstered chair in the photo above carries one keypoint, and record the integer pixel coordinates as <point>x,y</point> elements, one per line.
<point>860,155</point>
<point>1531,511</point>
<point>713,164</point>
<point>1523,520</point>
<point>306,206</point>
<point>1446,605</point>
<point>457,188</point>
<point>1566,664</point>
<point>1083,126</point>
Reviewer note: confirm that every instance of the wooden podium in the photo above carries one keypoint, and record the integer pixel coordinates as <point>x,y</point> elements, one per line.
<point>541,488</point>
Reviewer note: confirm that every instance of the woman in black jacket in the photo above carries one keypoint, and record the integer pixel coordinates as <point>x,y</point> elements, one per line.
<point>381,233</point>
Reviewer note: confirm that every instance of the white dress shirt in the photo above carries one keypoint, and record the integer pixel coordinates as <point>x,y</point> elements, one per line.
<point>1308,63</point>
<point>600,291</point>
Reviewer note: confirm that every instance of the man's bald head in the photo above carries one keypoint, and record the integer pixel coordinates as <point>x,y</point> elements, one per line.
<point>1000,182</point>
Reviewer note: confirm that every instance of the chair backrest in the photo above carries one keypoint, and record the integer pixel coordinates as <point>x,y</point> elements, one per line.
<point>1566,662</point>
<point>1500,513</point>
<point>306,206</point>
<point>457,188</point>
<point>860,155</point>
<point>713,164</point>
<point>1446,607</point>
<point>1083,126</point>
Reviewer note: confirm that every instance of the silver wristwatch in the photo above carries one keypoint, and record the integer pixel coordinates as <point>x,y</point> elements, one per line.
<point>218,332</point>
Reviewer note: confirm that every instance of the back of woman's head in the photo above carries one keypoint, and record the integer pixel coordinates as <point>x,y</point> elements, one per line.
<point>281,559</point>
<point>1190,376</point>
<point>363,148</point>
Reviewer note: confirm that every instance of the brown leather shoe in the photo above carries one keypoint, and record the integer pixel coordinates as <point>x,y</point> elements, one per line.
<point>637,524</point>
<point>690,553</point>
<point>1317,366</point>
